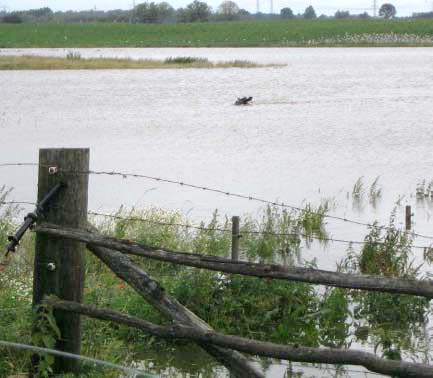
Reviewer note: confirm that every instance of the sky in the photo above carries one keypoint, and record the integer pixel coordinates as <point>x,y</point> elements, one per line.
<point>404,7</point>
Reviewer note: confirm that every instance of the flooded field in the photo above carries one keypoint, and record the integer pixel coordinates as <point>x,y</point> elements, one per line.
<point>316,125</point>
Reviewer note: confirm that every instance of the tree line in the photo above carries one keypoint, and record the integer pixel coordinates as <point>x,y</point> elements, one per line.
<point>163,12</point>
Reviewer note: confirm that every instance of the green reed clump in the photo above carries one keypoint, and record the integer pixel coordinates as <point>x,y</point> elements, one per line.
<point>277,235</point>
<point>185,60</point>
<point>390,321</point>
<point>241,63</point>
<point>387,252</point>
<point>73,55</point>
<point>358,189</point>
<point>375,192</point>
<point>263,309</point>
<point>311,220</point>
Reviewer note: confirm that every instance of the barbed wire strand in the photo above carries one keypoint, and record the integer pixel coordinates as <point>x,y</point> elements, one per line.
<point>265,233</point>
<point>219,191</point>
<point>18,203</point>
<point>85,359</point>
<point>224,230</point>
<point>194,186</point>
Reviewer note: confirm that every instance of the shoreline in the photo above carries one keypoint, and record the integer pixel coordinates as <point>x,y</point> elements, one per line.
<point>74,61</point>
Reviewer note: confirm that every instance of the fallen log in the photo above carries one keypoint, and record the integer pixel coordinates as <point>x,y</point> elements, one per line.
<point>266,349</point>
<point>169,307</point>
<point>422,288</point>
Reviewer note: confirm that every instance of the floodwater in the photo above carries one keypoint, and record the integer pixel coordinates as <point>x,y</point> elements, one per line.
<point>317,124</point>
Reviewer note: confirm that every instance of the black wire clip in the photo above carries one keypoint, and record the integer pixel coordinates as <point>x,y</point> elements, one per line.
<point>30,218</point>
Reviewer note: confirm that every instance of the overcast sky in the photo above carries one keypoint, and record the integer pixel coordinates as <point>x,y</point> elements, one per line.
<point>404,7</point>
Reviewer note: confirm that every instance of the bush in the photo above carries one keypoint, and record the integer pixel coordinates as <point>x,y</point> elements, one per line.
<point>12,18</point>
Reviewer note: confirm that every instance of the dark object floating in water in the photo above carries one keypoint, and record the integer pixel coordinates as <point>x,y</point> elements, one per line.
<point>243,100</point>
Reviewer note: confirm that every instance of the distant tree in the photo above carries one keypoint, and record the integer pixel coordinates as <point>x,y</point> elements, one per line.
<point>229,10</point>
<point>153,13</point>
<point>422,15</point>
<point>286,13</point>
<point>364,15</point>
<point>41,12</point>
<point>166,12</point>
<point>310,13</point>
<point>387,10</point>
<point>323,16</point>
<point>12,18</point>
<point>198,11</point>
<point>342,14</point>
<point>244,12</point>
<point>182,15</point>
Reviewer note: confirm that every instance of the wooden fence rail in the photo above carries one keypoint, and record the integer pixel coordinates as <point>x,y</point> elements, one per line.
<point>259,348</point>
<point>422,288</point>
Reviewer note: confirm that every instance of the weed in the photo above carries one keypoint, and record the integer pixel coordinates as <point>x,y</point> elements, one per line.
<point>375,192</point>
<point>73,55</point>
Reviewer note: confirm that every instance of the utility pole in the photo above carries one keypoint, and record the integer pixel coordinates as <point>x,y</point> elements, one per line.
<point>374,8</point>
<point>272,6</point>
<point>131,13</point>
<point>258,6</point>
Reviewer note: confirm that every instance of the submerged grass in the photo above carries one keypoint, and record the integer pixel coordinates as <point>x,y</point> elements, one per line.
<point>73,61</point>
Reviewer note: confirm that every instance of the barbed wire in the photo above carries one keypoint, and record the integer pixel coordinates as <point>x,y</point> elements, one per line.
<point>125,175</point>
<point>85,359</point>
<point>17,203</point>
<point>219,191</point>
<point>241,232</point>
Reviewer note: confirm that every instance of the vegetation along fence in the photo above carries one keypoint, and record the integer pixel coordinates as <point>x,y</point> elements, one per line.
<point>63,234</point>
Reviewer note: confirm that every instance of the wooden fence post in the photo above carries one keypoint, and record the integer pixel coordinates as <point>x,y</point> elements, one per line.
<point>408,218</point>
<point>60,263</point>
<point>235,238</point>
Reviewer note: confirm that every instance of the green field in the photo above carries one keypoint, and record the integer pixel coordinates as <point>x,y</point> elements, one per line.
<point>224,34</point>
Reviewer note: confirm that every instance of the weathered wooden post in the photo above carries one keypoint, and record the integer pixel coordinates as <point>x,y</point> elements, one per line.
<point>235,238</point>
<point>59,263</point>
<point>408,218</point>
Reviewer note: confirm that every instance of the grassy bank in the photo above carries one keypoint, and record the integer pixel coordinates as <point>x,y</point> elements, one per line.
<point>75,62</point>
<point>245,34</point>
